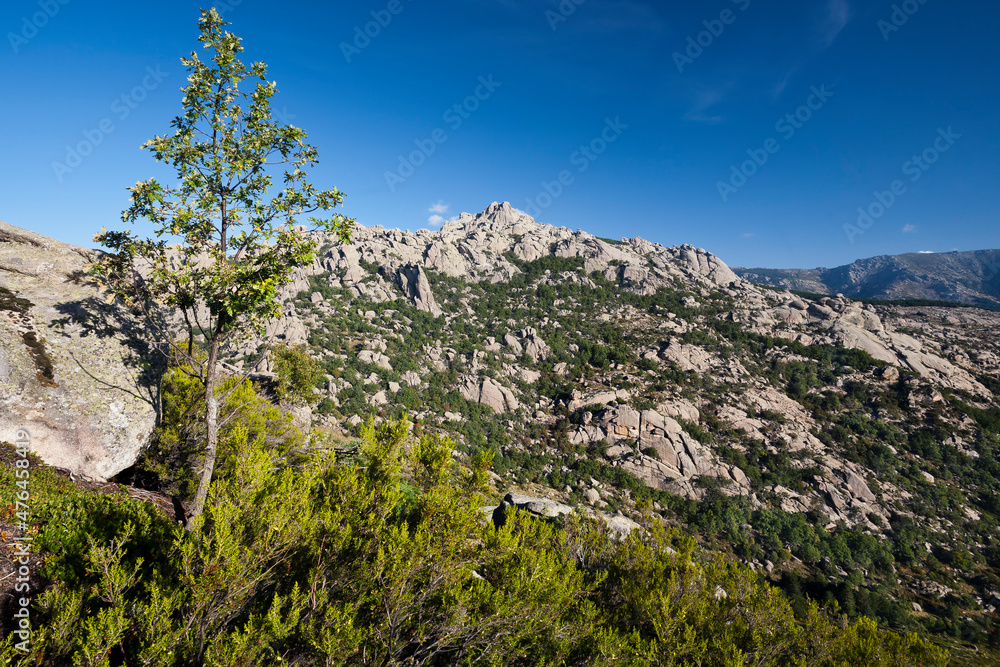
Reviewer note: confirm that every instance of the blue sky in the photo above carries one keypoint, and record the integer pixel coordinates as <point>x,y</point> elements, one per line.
<point>753,128</point>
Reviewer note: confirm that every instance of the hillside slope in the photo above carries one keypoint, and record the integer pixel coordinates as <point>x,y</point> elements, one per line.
<point>847,451</point>
<point>965,277</point>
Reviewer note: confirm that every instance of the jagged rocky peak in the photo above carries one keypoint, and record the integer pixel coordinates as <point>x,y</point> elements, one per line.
<point>498,217</point>
<point>478,247</point>
<point>530,240</point>
<point>502,214</point>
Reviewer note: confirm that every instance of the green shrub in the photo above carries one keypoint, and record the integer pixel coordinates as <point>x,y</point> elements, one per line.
<point>298,373</point>
<point>349,563</point>
<point>172,459</point>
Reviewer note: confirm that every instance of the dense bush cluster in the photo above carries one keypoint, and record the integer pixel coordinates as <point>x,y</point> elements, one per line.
<point>174,456</point>
<point>383,558</point>
<point>297,374</point>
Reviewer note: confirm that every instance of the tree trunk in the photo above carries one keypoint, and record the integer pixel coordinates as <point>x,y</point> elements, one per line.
<point>211,431</point>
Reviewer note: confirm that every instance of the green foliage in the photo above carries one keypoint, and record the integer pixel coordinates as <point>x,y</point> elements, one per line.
<point>239,243</point>
<point>67,519</point>
<point>173,459</point>
<point>990,382</point>
<point>531,271</point>
<point>71,525</point>
<point>859,416</point>
<point>345,563</point>
<point>696,431</point>
<point>719,613</point>
<point>600,356</point>
<point>44,482</point>
<point>297,374</point>
<point>987,419</point>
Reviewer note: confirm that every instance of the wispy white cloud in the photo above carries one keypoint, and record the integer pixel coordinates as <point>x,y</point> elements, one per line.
<point>439,207</point>
<point>616,16</point>
<point>705,100</point>
<point>834,18</point>
<point>708,119</point>
<point>780,86</point>
<point>838,15</point>
<point>909,229</point>
<point>748,235</point>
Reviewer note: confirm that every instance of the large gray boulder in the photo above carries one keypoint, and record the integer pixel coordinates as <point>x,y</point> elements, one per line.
<point>490,393</point>
<point>413,281</point>
<point>74,371</point>
<point>539,507</point>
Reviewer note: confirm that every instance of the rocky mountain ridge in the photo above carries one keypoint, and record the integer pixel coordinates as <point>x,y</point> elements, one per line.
<point>482,247</point>
<point>385,265</point>
<point>965,277</point>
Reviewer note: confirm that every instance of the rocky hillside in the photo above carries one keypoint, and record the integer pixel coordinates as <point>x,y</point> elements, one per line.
<point>963,277</point>
<point>847,446</point>
<point>846,450</point>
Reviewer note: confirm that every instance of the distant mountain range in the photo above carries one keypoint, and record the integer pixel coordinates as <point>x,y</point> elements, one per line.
<point>971,277</point>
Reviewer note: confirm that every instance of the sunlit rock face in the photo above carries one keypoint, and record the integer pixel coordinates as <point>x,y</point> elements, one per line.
<point>75,373</point>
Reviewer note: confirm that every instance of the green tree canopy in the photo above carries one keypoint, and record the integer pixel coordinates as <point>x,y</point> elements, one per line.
<point>238,230</point>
